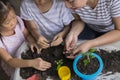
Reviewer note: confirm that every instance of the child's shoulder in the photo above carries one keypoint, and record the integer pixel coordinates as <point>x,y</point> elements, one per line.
<point>20,24</point>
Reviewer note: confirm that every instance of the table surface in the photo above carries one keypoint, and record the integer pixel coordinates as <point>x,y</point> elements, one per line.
<point>107,76</point>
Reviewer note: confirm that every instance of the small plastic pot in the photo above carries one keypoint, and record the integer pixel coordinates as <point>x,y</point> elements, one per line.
<point>88,76</point>
<point>64,73</point>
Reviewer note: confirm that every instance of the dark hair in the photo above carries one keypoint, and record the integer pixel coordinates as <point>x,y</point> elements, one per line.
<point>4,10</point>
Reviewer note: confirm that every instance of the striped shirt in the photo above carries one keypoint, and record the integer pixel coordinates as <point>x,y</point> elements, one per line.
<point>49,23</point>
<point>100,18</point>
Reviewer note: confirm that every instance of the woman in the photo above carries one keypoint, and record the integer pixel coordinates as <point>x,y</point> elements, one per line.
<point>101,22</point>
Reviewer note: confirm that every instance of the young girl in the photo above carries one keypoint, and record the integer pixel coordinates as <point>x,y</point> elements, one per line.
<point>12,33</point>
<point>47,20</point>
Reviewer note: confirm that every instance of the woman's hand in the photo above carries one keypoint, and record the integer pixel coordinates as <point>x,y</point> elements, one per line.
<point>82,48</point>
<point>43,42</point>
<point>40,64</point>
<point>58,39</point>
<point>70,41</point>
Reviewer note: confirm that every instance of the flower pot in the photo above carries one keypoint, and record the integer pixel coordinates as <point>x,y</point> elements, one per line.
<point>88,76</point>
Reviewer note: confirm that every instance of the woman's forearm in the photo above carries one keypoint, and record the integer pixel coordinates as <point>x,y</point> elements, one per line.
<point>65,31</point>
<point>77,27</point>
<point>107,38</point>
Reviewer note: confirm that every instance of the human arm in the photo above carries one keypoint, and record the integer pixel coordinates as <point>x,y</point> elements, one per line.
<point>31,41</point>
<point>58,39</point>
<point>112,36</point>
<point>72,37</point>
<point>37,63</point>
<point>41,40</point>
<point>61,35</point>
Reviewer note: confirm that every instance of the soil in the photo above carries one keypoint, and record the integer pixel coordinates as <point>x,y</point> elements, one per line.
<point>90,67</point>
<point>51,55</point>
<point>111,62</point>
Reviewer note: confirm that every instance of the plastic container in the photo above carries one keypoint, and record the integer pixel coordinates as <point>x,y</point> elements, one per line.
<point>88,76</point>
<point>64,73</point>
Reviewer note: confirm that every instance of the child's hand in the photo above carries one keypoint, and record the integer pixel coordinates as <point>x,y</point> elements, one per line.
<point>33,45</point>
<point>58,39</point>
<point>43,42</point>
<point>40,64</point>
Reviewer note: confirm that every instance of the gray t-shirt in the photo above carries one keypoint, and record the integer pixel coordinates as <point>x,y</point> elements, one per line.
<point>49,23</point>
<point>100,18</point>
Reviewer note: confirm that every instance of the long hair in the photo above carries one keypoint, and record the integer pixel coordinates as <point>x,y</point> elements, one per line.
<point>4,10</point>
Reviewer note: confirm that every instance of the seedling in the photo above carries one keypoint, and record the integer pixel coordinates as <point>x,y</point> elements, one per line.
<point>89,55</point>
<point>59,63</point>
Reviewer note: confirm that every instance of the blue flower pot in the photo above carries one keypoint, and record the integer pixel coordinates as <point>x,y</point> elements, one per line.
<point>88,76</point>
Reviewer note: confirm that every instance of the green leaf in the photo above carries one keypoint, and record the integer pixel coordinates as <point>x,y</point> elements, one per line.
<point>59,63</point>
<point>85,62</point>
<point>92,50</point>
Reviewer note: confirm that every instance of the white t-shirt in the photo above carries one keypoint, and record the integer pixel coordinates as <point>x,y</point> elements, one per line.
<point>49,23</point>
<point>100,18</point>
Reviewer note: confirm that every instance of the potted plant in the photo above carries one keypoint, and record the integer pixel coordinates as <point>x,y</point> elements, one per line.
<point>88,65</point>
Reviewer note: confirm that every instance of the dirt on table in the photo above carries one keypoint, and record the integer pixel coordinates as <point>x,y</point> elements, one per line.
<point>111,62</point>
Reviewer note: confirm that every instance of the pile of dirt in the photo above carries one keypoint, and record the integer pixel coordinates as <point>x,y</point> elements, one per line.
<point>51,55</point>
<point>111,62</point>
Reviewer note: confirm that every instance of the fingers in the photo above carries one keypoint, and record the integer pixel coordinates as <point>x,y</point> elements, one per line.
<point>42,65</point>
<point>71,57</point>
<point>73,43</point>
<point>67,45</point>
<point>43,42</point>
<point>68,42</point>
<point>55,38</point>
<point>76,51</point>
<point>57,42</point>
<point>37,49</point>
<point>32,48</point>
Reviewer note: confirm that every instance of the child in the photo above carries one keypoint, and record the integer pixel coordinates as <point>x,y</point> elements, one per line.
<point>13,33</point>
<point>47,20</point>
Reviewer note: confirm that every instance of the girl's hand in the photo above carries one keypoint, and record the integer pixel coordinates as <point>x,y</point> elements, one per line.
<point>43,42</point>
<point>35,45</point>
<point>40,64</point>
<point>70,41</point>
<point>58,39</point>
